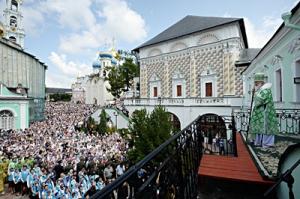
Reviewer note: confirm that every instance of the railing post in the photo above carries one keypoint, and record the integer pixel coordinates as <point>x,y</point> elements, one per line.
<point>234,147</point>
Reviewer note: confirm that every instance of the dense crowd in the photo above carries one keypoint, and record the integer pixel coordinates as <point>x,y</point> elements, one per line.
<point>52,159</point>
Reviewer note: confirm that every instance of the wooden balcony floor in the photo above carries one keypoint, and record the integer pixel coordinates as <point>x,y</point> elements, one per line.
<point>241,168</point>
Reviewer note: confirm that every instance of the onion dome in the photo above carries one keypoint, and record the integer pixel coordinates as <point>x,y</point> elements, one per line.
<point>97,64</point>
<point>105,55</point>
<point>114,61</point>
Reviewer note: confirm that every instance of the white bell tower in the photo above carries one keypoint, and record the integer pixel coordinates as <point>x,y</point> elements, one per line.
<point>13,22</point>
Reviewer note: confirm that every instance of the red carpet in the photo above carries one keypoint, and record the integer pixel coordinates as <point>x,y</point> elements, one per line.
<point>241,168</point>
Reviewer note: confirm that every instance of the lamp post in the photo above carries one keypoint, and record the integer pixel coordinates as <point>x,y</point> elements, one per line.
<point>116,115</point>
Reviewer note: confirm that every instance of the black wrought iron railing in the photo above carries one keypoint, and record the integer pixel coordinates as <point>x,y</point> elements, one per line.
<point>288,120</point>
<point>170,171</point>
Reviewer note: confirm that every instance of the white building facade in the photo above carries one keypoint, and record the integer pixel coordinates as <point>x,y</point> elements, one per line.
<point>92,89</point>
<point>190,68</point>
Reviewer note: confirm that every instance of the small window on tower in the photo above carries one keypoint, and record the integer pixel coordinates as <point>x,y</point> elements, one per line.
<point>12,39</point>
<point>13,21</point>
<point>14,5</point>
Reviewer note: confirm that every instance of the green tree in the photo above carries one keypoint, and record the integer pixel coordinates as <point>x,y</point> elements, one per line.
<point>91,124</point>
<point>120,77</point>
<point>148,131</point>
<point>116,81</point>
<point>60,97</point>
<point>102,126</point>
<point>128,70</point>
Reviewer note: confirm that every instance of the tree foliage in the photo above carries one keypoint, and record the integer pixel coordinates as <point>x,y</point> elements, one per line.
<point>116,82</point>
<point>60,97</point>
<point>129,70</point>
<point>120,77</point>
<point>148,131</point>
<point>102,126</point>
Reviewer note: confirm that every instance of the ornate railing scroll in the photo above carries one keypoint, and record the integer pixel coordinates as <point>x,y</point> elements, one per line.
<point>288,120</point>
<point>170,171</point>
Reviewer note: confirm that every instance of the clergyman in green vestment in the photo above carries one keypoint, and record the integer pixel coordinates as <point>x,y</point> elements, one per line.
<point>263,121</point>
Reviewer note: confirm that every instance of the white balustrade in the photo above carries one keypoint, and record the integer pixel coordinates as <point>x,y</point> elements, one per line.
<point>213,101</point>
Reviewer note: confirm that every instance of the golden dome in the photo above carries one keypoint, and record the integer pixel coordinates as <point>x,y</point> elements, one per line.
<point>1,29</point>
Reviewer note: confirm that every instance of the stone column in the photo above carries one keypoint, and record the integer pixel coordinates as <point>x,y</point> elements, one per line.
<point>143,80</point>
<point>231,52</point>
<point>193,75</point>
<point>166,80</point>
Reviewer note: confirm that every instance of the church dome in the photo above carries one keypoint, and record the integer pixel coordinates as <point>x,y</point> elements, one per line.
<point>114,61</point>
<point>97,64</point>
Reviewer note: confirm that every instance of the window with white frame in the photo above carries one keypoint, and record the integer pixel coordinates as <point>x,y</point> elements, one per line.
<point>178,85</point>
<point>155,86</point>
<point>208,81</point>
<point>6,119</point>
<point>208,89</point>
<point>155,91</point>
<point>179,90</point>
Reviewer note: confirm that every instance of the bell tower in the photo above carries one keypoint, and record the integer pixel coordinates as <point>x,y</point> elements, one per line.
<point>13,22</point>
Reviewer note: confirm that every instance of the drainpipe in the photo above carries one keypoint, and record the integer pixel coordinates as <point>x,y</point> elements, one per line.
<point>286,18</point>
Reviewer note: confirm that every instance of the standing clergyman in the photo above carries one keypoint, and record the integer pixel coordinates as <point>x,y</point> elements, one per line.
<point>263,118</point>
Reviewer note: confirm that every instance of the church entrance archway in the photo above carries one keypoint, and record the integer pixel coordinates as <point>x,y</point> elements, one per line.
<point>175,122</point>
<point>6,119</point>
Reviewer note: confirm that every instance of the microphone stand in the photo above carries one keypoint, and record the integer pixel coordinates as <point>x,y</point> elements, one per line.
<point>287,178</point>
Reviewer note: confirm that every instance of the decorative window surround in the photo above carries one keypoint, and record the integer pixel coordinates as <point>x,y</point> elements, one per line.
<point>6,119</point>
<point>208,76</point>
<point>155,82</point>
<point>178,80</point>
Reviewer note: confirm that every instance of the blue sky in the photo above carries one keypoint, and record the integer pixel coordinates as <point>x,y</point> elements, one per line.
<point>66,34</point>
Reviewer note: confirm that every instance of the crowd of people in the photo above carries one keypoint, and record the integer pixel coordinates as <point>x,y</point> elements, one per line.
<point>52,159</point>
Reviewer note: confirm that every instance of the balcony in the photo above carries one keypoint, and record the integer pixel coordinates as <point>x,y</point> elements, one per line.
<point>207,101</point>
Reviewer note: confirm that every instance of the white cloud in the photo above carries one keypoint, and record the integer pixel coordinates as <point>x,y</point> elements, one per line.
<point>123,22</point>
<point>259,35</point>
<point>271,22</point>
<point>87,26</point>
<point>66,71</point>
<point>69,68</point>
<point>119,21</point>
<point>77,43</point>
<point>33,20</point>
<point>58,81</point>
<point>91,23</point>
<point>72,14</point>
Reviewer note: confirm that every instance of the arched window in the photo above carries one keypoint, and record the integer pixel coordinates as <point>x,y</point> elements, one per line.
<point>12,39</point>
<point>6,119</point>
<point>13,21</point>
<point>14,5</point>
